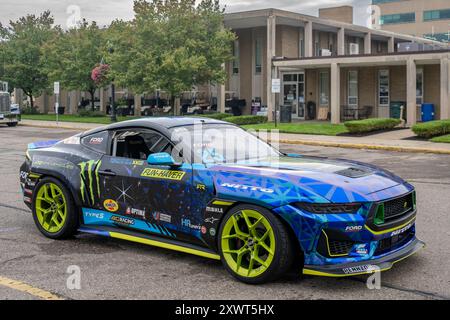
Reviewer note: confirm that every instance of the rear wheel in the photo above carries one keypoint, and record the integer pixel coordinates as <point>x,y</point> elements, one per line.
<point>255,246</point>
<point>12,124</point>
<point>53,210</point>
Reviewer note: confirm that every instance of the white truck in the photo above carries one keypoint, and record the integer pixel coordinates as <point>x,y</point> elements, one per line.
<point>9,113</point>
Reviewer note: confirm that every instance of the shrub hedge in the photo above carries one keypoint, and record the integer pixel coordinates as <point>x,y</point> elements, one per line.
<point>432,128</point>
<point>217,116</point>
<point>243,120</point>
<point>370,125</point>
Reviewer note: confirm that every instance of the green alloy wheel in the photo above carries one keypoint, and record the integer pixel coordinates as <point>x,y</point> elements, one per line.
<point>254,245</point>
<point>53,209</point>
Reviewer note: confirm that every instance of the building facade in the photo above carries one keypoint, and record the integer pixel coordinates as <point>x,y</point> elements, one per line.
<point>422,18</point>
<point>332,70</point>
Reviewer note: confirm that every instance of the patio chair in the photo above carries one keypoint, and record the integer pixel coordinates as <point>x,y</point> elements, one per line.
<point>348,113</point>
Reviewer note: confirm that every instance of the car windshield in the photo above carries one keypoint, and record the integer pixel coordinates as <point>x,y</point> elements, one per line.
<point>219,143</point>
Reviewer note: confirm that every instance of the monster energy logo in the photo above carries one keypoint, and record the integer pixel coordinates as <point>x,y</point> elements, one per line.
<point>89,167</point>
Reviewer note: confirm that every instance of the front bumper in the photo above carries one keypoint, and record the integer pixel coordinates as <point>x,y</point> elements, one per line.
<point>366,267</point>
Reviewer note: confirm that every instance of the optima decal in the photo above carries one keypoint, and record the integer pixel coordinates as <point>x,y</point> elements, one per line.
<point>163,174</point>
<point>111,205</point>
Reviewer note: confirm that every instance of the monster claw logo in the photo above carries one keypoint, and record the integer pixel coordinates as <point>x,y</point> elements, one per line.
<point>89,167</point>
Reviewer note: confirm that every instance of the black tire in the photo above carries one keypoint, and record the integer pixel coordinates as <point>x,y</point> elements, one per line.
<point>70,226</point>
<point>284,249</point>
<point>12,124</point>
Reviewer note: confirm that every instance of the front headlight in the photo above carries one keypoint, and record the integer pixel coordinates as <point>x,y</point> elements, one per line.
<point>328,208</point>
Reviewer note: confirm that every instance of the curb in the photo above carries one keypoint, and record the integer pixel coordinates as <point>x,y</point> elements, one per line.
<point>58,127</point>
<point>366,146</point>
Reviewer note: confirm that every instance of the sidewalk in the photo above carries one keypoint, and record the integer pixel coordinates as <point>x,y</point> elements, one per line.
<point>398,140</point>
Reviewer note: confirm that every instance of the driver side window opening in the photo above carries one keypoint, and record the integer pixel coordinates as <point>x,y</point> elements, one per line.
<point>138,144</point>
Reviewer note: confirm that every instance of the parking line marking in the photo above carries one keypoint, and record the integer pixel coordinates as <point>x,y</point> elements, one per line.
<point>23,287</point>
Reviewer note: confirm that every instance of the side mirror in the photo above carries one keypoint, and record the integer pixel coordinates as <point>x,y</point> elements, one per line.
<point>161,159</point>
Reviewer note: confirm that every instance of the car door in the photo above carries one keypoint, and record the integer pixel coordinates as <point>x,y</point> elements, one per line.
<point>141,196</point>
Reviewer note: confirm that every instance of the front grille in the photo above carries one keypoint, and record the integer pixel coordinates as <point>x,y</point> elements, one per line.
<point>398,207</point>
<point>340,247</point>
<point>389,244</point>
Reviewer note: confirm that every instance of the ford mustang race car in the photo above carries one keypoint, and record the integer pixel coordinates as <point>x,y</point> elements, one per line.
<point>209,188</point>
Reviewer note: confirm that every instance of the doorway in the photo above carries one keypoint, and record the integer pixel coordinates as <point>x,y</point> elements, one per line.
<point>294,94</point>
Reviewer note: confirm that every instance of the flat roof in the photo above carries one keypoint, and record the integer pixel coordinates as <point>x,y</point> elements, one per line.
<point>258,18</point>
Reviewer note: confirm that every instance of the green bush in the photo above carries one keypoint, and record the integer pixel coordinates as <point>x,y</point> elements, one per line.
<point>432,128</point>
<point>29,110</point>
<point>244,120</point>
<point>369,125</point>
<point>84,113</point>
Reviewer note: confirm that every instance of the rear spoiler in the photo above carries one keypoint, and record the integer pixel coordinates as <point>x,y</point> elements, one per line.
<point>42,144</point>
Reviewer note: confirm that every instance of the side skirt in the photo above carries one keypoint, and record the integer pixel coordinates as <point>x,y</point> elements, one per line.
<point>150,240</point>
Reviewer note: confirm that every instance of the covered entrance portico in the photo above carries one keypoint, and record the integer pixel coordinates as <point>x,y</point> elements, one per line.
<point>367,86</point>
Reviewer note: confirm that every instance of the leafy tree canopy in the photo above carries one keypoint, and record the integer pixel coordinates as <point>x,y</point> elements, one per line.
<point>73,54</point>
<point>21,52</point>
<point>170,45</point>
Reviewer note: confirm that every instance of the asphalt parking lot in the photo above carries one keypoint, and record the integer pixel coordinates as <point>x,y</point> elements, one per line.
<point>113,269</point>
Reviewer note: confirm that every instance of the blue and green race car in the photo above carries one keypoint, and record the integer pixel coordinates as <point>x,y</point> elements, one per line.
<point>209,188</point>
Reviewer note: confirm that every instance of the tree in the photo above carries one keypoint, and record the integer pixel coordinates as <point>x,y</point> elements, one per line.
<point>23,60</point>
<point>72,56</point>
<point>171,45</point>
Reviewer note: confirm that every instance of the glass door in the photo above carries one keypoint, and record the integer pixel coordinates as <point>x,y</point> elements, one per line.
<point>294,94</point>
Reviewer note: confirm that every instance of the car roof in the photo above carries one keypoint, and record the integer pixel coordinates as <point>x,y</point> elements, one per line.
<point>162,124</point>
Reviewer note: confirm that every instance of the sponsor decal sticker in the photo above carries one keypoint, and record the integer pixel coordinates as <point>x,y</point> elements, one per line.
<point>163,174</point>
<point>97,215</point>
<point>111,205</point>
<point>353,228</point>
<point>201,187</point>
<point>204,230</point>
<point>362,249</point>
<point>135,212</point>
<point>245,187</point>
<point>211,220</point>
<point>212,232</point>
<point>214,209</point>
<point>358,269</point>
<point>159,216</point>
<point>187,223</point>
<point>402,230</point>
<point>96,141</point>
<point>122,220</point>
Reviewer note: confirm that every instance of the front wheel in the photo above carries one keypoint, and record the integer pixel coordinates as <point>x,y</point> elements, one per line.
<point>12,124</point>
<point>255,245</point>
<point>54,212</point>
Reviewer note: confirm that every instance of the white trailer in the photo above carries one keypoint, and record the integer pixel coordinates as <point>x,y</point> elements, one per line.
<point>9,114</point>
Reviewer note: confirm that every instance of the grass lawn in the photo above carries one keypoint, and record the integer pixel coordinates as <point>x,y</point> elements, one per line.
<point>72,118</point>
<point>443,139</point>
<point>324,129</point>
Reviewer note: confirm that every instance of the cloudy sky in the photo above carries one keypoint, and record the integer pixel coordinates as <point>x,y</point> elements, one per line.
<point>103,11</point>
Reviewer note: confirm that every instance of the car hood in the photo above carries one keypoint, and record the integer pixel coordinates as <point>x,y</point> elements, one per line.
<point>313,179</point>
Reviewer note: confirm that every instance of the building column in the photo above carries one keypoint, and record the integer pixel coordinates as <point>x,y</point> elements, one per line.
<point>368,43</point>
<point>445,88</point>
<point>74,97</point>
<point>335,93</point>
<point>221,96</point>
<point>341,42</point>
<point>309,45</point>
<point>391,45</point>
<point>411,94</point>
<point>18,97</point>
<point>137,105</point>
<point>271,53</point>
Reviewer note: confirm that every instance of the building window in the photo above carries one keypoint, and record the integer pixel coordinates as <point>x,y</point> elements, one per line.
<point>258,55</point>
<point>442,37</point>
<point>398,18</point>
<point>353,88</point>
<point>324,88</point>
<point>419,95</point>
<point>236,55</point>
<point>383,88</point>
<point>301,49</point>
<point>436,15</point>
